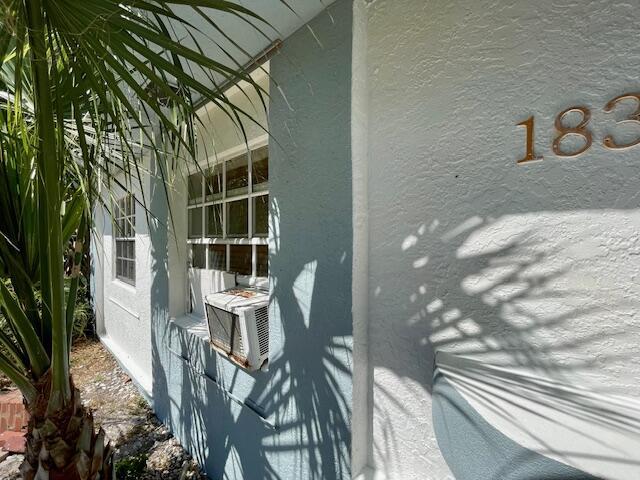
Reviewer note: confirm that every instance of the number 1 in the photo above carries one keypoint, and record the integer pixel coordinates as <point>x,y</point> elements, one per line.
<point>530,156</point>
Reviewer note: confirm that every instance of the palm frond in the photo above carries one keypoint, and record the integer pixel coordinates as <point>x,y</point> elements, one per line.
<point>90,90</point>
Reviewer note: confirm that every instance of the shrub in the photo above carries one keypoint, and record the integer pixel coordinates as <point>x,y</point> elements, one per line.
<point>131,468</point>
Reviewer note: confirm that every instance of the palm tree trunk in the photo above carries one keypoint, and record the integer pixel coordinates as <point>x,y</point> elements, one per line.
<point>63,445</point>
<point>61,441</point>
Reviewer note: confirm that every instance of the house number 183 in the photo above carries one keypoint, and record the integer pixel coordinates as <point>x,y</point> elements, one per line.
<point>579,130</point>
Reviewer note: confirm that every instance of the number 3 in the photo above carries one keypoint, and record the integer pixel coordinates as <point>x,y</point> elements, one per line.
<point>609,142</point>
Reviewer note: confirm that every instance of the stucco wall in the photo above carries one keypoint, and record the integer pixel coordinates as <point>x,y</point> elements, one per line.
<point>124,311</point>
<point>292,421</point>
<point>530,269</point>
<point>310,243</point>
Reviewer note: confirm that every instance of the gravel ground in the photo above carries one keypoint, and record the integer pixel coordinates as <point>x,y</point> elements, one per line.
<point>146,450</point>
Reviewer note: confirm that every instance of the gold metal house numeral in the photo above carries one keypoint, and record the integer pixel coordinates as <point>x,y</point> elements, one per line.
<point>530,154</point>
<point>609,142</point>
<point>579,129</point>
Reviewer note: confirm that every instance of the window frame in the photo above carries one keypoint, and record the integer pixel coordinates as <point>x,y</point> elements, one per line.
<point>225,239</point>
<point>120,237</point>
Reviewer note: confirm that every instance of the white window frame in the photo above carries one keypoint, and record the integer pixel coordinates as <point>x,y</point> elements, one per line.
<point>223,158</point>
<point>120,236</point>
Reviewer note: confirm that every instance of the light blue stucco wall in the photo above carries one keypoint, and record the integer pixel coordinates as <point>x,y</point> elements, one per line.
<point>292,421</point>
<point>475,449</point>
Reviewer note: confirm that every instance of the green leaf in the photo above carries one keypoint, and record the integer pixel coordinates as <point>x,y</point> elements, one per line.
<point>18,318</point>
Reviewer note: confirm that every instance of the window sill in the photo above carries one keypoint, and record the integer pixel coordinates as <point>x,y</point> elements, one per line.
<point>124,285</point>
<point>193,324</point>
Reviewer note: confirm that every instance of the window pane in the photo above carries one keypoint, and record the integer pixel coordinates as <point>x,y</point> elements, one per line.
<point>119,269</point>
<point>132,271</point>
<point>261,216</point>
<point>218,257</point>
<point>198,256</point>
<point>214,221</point>
<point>119,208</point>
<point>195,188</point>
<point>213,184</point>
<point>237,218</point>
<point>262,261</point>
<point>241,259</point>
<point>195,222</point>
<point>119,228</point>
<point>237,176</point>
<point>260,169</point>
<point>124,232</point>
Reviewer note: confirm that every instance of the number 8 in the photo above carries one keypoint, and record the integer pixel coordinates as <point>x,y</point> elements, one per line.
<point>579,129</point>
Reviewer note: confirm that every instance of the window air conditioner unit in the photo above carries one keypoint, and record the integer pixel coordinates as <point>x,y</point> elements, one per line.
<point>238,322</point>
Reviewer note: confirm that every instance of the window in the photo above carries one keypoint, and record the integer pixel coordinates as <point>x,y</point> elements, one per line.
<point>217,257</point>
<point>261,215</point>
<point>262,260</point>
<point>198,256</point>
<point>125,237</point>
<point>237,218</point>
<point>228,214</point>
<point>195,222</point>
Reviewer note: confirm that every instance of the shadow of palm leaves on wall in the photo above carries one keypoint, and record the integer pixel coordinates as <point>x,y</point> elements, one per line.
<point>305,396</point>
<point>504,306</point>
<point>298,409</point>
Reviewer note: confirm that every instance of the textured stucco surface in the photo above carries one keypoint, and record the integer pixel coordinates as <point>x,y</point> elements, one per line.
<point>124,311</point>
<point>476,449</point>
<point>361,419</point>
<point>310,246</point>
<point>532,268</point>
<point>292,421</point>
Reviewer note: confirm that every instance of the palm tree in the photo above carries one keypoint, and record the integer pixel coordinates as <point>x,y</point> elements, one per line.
<point>85,86</point>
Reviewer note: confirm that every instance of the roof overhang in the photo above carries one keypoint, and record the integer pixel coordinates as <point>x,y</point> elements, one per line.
<point>239,43</point>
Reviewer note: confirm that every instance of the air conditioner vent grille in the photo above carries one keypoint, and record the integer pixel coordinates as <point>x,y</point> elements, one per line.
<point>224,328</point>
<point>262,321</point>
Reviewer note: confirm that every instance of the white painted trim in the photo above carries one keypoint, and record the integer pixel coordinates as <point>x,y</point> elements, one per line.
<point>258,75</point>
<point>127,310</point>
<point>143,382</point>
<point>215,158</point>
<point>221,201</point>
<point>247,280</point>
<point>196,325</point>
<point>229,241</point>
